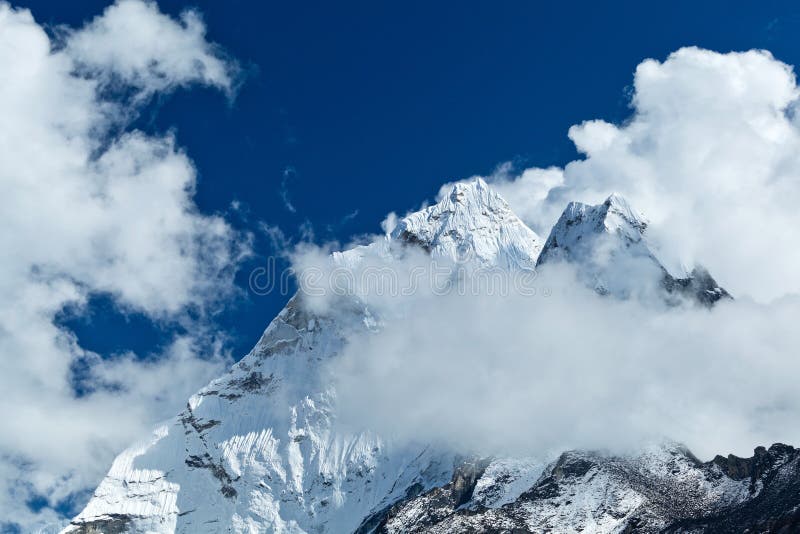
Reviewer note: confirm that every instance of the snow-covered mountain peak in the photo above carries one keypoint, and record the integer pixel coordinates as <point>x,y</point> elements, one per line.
<point>608,246</point>
<point>472,222</point>
<point>615,216</point>
<point>597,234</point>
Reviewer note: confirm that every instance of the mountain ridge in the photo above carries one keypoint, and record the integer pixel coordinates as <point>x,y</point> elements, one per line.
<point>259,449</point>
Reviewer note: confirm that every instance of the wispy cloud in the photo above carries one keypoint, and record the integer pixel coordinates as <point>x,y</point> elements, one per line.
<point>349,217</point>
<point>287,175</point>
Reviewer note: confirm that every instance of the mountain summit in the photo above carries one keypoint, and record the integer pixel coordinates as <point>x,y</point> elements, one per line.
<point>259,449</point>
<point>472,223</point>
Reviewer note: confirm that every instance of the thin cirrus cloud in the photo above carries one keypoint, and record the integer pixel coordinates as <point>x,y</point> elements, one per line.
<point>84,209</point>
<point>287,175</point>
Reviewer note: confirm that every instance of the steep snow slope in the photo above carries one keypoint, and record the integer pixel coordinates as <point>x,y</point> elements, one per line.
<point>607,244</point>
<point>259,449</point>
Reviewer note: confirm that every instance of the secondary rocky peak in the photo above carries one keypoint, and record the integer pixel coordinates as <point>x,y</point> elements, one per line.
<point>608,246</point>
<point>472,223</point>
<point>581,221</point>
<point>584,229</point>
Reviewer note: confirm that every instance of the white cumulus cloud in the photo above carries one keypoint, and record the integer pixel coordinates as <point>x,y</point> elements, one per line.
<point>85,209</point>
<point>134,42</point>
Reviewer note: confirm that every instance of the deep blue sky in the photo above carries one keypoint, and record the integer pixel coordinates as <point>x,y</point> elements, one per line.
<point>375,104</point>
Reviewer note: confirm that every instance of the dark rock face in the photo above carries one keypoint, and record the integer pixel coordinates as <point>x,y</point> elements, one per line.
<point>110,525</point>
<point>205,461</point>
<point>669,492</point>
<point>774,477</point>
<point>216,469</point>
<point>700,286</point>
<point>413,240</point>
<point>441,502</point>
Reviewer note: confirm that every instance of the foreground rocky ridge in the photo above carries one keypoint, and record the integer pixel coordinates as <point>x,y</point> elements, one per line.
<point>665,489</point>
<point>259,449</point>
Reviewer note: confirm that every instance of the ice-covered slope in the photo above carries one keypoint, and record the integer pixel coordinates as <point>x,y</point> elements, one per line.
<point>607,244</point>
<point>258,450</point>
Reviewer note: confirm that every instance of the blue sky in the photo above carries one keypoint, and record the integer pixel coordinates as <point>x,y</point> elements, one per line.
<point>374,105</point>
<point>342,113</point>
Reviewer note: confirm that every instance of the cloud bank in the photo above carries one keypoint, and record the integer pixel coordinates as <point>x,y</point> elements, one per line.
<point>86,209</point>
<point>537,375</point>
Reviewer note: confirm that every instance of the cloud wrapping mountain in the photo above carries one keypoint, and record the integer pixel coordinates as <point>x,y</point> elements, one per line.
<point>711,154</point>
<point>597,350</point>
<point>364,402</point>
